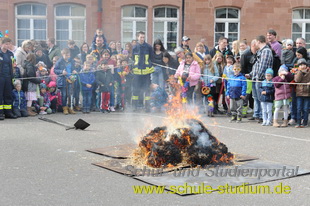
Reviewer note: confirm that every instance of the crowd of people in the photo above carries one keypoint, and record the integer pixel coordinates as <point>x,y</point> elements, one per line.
<point>265,77</point>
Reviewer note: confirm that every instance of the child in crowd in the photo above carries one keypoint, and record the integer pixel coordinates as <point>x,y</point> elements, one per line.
<point>43,75</point>
<point>282,95</point>
<point>53,76</point>
<point>77,89</point>
<point>104,80</point>
<point>16,70</point>
<point>287,55</point>
<point>303,94</point>
<point>228,73</point>
<point>54,97</point>
<point>158,98</point>
<point>236,91</point>
<point>31,83</point>
<point>64,68</point>
<point>19,100</point>
<point>267,91</point>
<point>209,78</point>
<point>245,108</point>
<point>74,49</point>
<point>87,79</point>
<point>43,104</point>
<point>120,78</point>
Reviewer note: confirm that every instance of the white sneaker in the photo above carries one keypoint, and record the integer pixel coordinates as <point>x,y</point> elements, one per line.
<point>112,109</point>
<point>292,122</point>
<point>43,112</point>
<point>249,111</point>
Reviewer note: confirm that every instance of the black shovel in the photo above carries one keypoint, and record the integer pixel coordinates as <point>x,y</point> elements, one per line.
<point>80,124</point>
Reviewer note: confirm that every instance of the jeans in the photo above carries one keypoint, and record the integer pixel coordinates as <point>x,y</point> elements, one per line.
<point>87,95</point>
<point>157,77</point>
<point>267,111</point>
<point>257,97</point>
<point>76,93</point>
<point>303,109</point>
<point>293,105</point>
<point>65,93</point>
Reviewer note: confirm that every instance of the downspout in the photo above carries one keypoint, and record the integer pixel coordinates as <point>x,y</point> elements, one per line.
<point>183,16</point>
<point>99,14</point>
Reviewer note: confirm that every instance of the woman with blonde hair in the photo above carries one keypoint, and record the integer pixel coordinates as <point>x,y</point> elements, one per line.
<point>219,63</point>
<point>21,54</point>
<point>210,77</point>
<point>199,54</point>
<point>235,49</point>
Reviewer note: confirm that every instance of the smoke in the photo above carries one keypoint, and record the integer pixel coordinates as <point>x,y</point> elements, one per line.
<point>203,137</point>
<point>204,140</point>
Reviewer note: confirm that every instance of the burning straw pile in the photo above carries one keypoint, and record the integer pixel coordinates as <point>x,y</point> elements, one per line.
<point>184,141</point>
<point>190,145</point>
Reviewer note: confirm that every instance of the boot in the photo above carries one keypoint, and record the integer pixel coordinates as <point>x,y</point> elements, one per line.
<point>77,108</point>
<point>30,112</point>
<point>1,117</point>
<point>71,111</point>
<point>233,118</point>
<point>65,110</point>
<point>239,119</point>
<point>285,123</point>
<point>275,123</point>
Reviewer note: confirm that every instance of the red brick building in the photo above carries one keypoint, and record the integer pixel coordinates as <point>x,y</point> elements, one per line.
<point>165,19</point>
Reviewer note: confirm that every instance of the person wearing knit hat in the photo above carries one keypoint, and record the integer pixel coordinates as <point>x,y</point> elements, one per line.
<point>42,86</point>
<point>55,97</point>
<point>282,94</point>
<point>267,97</point>
<point>269,71</point>
<point>43,104</point>
<point>302,94</point>
<point>302,61</point>
<point>287,55</point>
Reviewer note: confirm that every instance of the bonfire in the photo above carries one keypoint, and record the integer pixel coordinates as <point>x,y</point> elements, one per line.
<point>184,140</point>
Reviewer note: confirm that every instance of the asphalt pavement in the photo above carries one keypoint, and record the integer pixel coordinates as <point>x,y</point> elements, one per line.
<point>43,164</point>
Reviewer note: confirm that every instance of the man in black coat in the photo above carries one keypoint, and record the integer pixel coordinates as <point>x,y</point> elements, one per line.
<point>221,47</point>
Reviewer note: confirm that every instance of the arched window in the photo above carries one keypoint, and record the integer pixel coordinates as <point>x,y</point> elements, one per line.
<point>166,26</point>
<point>301,25</point>
<point>227,24</point>
<point>134,19</point>
<point>70,24</point>
<point>30,22</point>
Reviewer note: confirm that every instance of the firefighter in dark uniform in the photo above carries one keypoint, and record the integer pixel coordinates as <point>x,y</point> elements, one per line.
<point>6,76</point>
<point>142,69</point>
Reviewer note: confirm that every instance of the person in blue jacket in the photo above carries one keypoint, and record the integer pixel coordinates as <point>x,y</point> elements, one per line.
<point>19,100</point>
<point>66,72</point>
<point>267,91</point>
<point>236,92</point>
<point>87,78</point>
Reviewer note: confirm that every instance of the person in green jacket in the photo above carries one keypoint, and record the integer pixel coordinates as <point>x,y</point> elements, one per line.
<point>53,49</point>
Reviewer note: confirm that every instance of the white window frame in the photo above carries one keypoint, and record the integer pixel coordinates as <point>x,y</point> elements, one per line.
<point>134,21</point>
<point>166,20</point>
<point>70,18</point>
<point>31,18</point>
<point>303,22</point>
<point>226,21</point>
